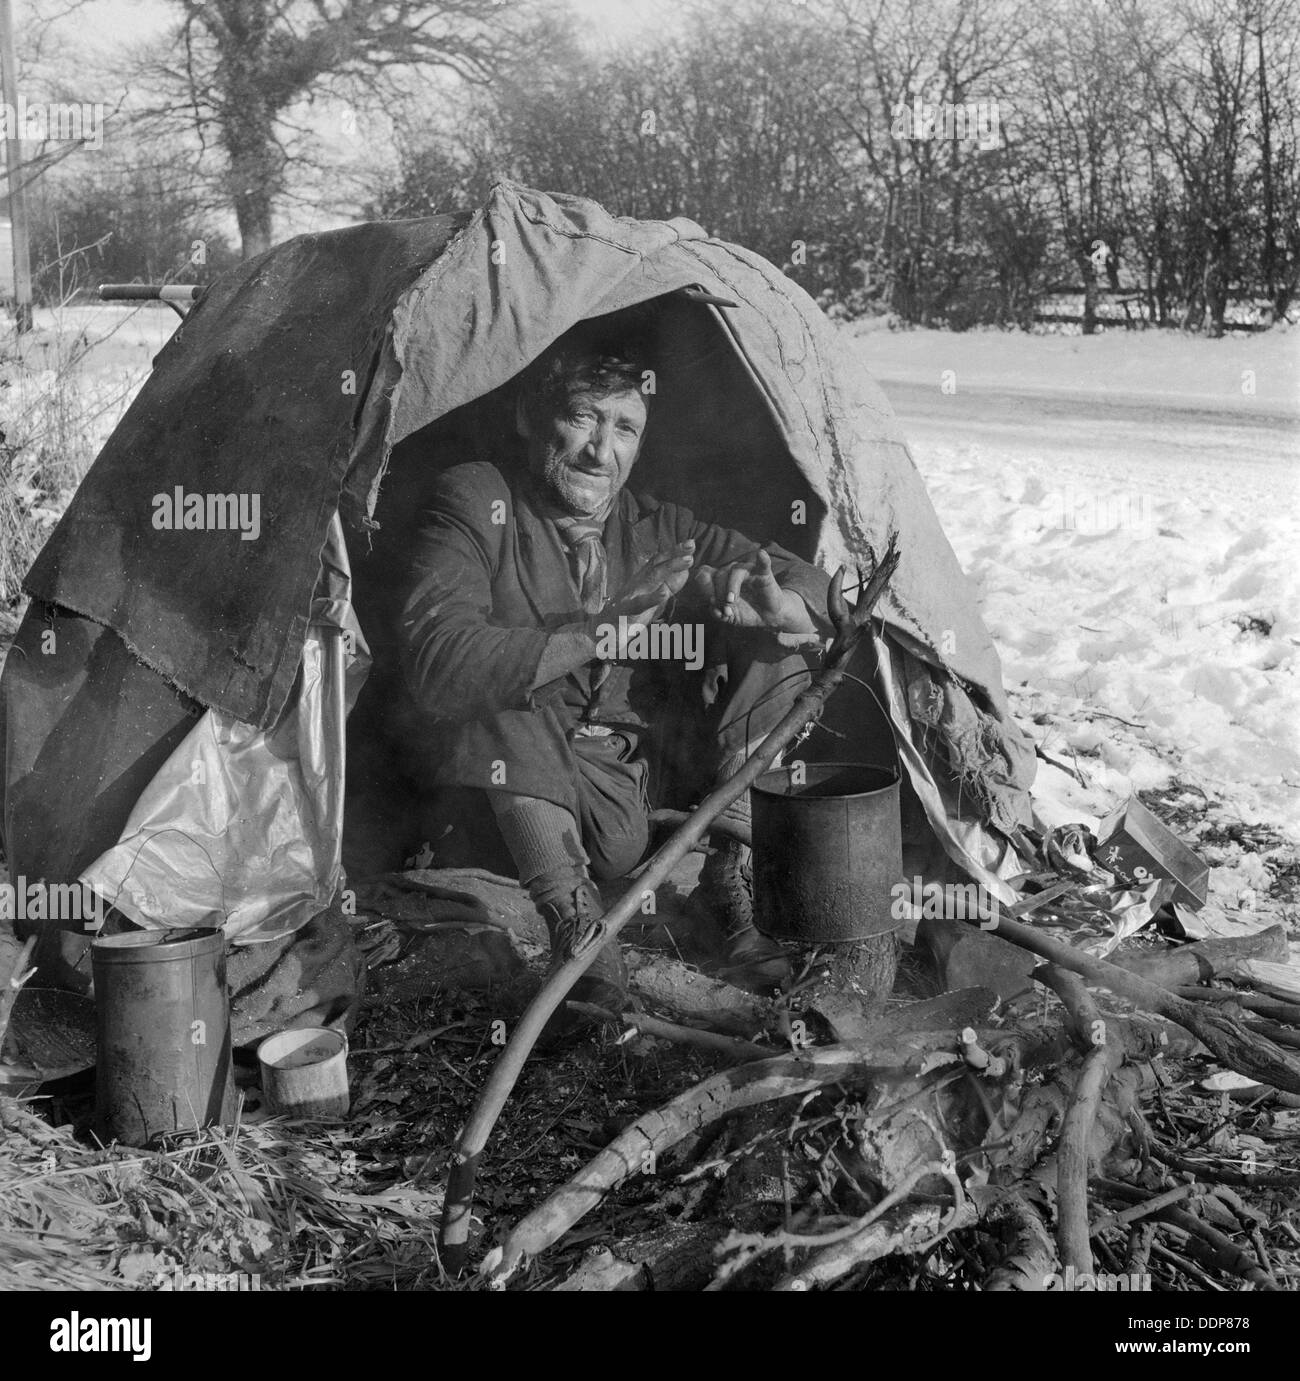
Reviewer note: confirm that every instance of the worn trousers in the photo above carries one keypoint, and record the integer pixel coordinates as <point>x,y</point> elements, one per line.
<point>706,718</point>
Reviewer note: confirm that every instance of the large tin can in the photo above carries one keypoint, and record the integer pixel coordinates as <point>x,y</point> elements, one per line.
<point>163,1029</point>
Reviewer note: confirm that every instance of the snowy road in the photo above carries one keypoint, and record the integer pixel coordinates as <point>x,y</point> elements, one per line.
<point>1129,508</point>
<point>1149,428</point>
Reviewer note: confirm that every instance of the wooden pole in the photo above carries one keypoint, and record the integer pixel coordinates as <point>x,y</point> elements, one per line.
<point>17,192</point>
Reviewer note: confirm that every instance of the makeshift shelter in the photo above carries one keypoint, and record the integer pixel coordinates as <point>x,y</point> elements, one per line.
<point>173,705</point>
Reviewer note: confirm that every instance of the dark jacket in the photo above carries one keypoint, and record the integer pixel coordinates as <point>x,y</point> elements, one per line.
<point>493,583</point>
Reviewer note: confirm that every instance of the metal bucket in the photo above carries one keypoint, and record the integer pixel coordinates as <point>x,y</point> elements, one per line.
<point>163,1028</point>
<point>828,850</point>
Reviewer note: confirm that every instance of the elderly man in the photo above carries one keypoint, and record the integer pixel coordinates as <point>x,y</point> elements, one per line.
<point>550,645</point>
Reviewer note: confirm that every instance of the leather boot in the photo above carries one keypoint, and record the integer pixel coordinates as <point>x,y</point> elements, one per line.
<point>568,919</point>
<point>726,888</point>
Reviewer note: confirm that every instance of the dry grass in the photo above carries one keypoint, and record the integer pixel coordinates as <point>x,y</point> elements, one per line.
<point>353,1205</point>
<point>274,1201</point>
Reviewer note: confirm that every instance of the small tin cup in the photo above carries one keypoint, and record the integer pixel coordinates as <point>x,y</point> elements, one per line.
<point>305,1072</point>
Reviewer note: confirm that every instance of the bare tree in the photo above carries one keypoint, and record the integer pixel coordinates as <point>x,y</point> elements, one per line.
<point>1197,83</point>
<point>1160,134</point>
<point>1080,83</point>
<point>234,72</point>
<point>905,56</point>
<point>727,123</point>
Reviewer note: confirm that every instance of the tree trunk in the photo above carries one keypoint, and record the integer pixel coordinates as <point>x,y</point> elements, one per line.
<point>1089,293</point>
<point>1216,293</point>
<point>255,175</point>
<point>255,218</point>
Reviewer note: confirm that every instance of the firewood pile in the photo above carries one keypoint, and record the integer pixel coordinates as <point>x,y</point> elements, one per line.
<point>1101,1126</point>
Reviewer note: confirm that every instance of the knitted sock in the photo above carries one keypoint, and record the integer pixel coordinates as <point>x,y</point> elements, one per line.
<point>544,842</point>
<point>739,811</point>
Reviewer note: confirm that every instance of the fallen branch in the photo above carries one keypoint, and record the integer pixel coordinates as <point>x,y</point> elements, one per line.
<point>1101,714</point>
<point>1217,1250</point>
<point>1189,1268</point>
<point>1271,1007</point>
<point>682,1035</point>
<point>693,998</point>
<point>1235,1045</point>
<point>1216,958</point>
<point>1031,1260</point>
<point>850,625</point>
<point>1100,1061</point>
<point>1104,1057</point>
<point>1275,1031</point>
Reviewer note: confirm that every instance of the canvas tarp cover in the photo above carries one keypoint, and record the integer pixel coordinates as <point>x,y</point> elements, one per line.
<point>300,371</point>
<point>256,393</point>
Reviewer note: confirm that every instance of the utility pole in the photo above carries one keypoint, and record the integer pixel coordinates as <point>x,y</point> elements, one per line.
<point>13,163</point>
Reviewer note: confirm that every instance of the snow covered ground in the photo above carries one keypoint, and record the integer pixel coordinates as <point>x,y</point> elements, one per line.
<point>1129,506</point>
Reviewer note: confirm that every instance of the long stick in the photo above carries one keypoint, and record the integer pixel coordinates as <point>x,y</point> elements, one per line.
<point>849,627</point>
<point>683,1035</point>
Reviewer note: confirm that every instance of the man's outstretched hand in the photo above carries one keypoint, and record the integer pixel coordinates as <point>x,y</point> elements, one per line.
<point>655,584</point>
<point>745,594</point>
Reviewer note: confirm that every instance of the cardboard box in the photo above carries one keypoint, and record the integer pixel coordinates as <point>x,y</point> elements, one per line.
<point>1137,847</point>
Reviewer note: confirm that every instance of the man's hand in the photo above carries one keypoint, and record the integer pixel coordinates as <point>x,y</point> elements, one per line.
<point>745,594</point>
<point>654,585</point>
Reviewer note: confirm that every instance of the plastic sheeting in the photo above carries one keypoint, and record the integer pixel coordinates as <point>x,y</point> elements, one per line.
<point>242,827</point>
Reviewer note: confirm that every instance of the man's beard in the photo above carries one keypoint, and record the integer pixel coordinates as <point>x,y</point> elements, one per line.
<point>583,495</point>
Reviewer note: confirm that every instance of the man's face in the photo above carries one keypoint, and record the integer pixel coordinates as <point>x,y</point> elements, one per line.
<point>585,452</point>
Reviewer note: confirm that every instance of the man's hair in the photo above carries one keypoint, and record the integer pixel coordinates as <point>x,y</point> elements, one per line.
<point>582,362</point>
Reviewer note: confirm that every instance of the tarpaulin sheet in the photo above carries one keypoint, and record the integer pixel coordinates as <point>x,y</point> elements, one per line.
<point>255,394</point>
